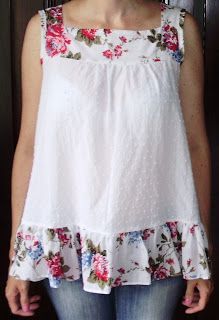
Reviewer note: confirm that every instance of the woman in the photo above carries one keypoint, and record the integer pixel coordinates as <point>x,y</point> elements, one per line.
<point>111,204</point>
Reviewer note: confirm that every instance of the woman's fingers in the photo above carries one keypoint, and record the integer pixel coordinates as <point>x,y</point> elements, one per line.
<point>17,294</point>
<point>35,298</point>
<point>200,305</point>
<point>190,292</point>
<point>34,306</point>
<point>200,297</point>
<point>15,307</point>
<point>24,298</point>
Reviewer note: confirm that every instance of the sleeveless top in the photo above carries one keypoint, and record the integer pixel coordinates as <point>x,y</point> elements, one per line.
<point>111,195</point>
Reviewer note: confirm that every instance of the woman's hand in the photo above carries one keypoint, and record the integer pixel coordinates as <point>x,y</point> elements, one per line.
<point>17,294</point>
<point>197,294</point>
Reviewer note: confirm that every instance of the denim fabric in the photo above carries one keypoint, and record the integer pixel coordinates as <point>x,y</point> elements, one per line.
<point>157,301</point>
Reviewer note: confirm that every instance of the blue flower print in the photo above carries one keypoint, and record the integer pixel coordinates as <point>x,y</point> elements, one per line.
<point>177,55</point>
<point>87,258</point>
<point>134,237</point>
<point>36,251</point>
<point>54,282</point>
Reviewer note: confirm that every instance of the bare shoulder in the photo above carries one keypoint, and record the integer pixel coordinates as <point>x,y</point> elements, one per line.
<point>32,32</point>
<point>33,25</point>
<point>191,22</point>
<point>192,35</point>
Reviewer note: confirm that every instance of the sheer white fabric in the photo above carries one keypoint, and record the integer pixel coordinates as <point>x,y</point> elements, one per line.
<point>111,161</point>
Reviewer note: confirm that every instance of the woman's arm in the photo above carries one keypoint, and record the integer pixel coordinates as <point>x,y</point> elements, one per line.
<point>31,75</point>
<point>192,100</point>
<point>16,290</point>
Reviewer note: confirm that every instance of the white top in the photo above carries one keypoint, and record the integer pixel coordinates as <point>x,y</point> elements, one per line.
<point>112,175</point>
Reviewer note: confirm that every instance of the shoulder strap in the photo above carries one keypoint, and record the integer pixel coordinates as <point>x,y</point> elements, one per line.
<point>49,18</point>
<point>181,20</point>
<point>43,27</point>
<point>173,30</point>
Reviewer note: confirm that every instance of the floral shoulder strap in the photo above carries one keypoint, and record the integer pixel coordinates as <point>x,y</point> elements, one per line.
<point>173,31</point>
<point>43,28</point>
<point>51,28</point>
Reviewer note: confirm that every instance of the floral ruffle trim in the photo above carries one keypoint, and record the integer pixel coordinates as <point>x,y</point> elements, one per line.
<point>136,257</point>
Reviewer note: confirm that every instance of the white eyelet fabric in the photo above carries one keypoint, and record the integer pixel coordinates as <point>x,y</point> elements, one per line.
<point>111,194</point>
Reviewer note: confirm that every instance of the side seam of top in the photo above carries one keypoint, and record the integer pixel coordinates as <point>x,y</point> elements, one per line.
<point>43,28</point>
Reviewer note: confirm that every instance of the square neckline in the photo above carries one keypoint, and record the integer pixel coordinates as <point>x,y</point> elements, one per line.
<point>69,29</point>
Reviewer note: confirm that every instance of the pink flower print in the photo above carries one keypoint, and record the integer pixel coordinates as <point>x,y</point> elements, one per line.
<point>117,282</point>
<point>146,233</point>
<point>100,266</point>
<point>156,59</point>
<point>161,273</point>
<point>56,40</point>
<point>173,228</point>
<point>62,236</point>
<point>56,13</point>
<point>192,229</point>
<point>55,265</point>
<point>108,54</point>
<point>170,37</point>
<point>121,270</point>
<point>27,237</point>
<point>166,27</point>
<point>107,31</point>
<point>118,51</point>
<point>163,6</point>
<point>170,261</point>
<point>20,234</point>
<point>123,39</point>
<point>89,33</point>
<point>122,235</point>
<point>189,262</point>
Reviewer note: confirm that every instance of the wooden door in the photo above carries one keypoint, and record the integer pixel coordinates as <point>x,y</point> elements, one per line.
<point>14,16</point>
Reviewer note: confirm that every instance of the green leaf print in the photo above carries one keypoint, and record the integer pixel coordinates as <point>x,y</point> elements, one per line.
<point>65,268</point>
<point>160,258</point>
<point>89,42</point>
<point>92,277</point>
<point>182,16</point>
<point>71,55</point>
<point>97,40</point>
<point>152,39</point>
<point>172,271</point>
<point>164,237</point>
<point>50,234</point>
<point>17,263</point>
<point>156,38</point>
<point>22,256</point>
<point>183,243</point>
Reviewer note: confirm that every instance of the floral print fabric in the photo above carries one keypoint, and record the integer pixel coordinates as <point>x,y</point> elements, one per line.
<point>141,256</point>
<point>114,44</point>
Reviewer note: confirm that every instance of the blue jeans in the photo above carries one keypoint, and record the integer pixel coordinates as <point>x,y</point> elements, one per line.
<point>156,301</point>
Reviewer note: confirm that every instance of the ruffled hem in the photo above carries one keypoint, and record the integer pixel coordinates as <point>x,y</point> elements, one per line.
<point>104,261</point>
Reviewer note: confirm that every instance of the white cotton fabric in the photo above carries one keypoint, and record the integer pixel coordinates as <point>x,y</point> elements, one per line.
<point>111,152</point>
<point>111,156</point>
